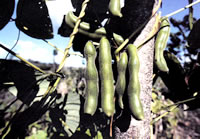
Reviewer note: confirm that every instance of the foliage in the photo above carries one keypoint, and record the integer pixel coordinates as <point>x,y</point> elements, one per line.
<point>183,61</point>
<point>59,116</point>
<point>182,58</point>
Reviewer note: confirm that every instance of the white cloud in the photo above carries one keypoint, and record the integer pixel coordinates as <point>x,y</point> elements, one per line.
<point>74,61</point>
<point>33,51</point>
<point>71,61</point>
<point>37,52</point>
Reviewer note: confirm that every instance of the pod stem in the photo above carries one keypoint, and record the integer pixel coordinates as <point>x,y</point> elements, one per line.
<point>182,9</point>
<point>120,48</point>
<point>76,54</point>
<point>111,124</point>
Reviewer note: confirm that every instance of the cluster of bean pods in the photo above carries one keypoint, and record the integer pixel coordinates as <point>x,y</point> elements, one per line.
<point>160,44</point>
<point>106,75</point>
<point>127,63</point>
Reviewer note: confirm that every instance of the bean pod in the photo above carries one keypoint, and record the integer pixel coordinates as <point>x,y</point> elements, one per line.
<point>70,22</point>
<point>133,91</point>
<point>115,8</point>
<point>92,88</point>
<point>71,19</point>
<point>160,45</point>
<point>106,77</point>
<point>121,80</point>
<point>119,39</point>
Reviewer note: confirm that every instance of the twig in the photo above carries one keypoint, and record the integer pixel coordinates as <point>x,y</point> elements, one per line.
<point>164,114</point>
<point>175,105</point>
<point>76,54</point>
<point>54,46</point>
<point>182,9</point>
<point>72,36</point>
<point>181,102</point>
<point>135,32</point>
<point>153,31</point>
<point>24,60</point>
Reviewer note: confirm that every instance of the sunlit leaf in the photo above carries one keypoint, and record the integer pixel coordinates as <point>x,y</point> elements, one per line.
<point>194,37</point>
<point>190,15</point>
<point>40,134</point>
<point>99,135</point>
<point>65,114</point>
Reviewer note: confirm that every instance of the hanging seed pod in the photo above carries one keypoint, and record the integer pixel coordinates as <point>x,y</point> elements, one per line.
<point>115,8</point>
<point>121,80</point>
<point>106,77</point>
<point>160,45</point>
<point>135,104</point>
<point>92,88</point>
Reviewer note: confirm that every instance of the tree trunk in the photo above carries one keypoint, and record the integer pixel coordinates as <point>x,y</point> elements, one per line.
<point>141,129</point>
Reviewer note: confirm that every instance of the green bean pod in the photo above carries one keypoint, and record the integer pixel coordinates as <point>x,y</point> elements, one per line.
<point>115,8</point>
<point>70,22</point>
<point>133,91</point>
<point>119,39</point>
<point>92,88</point>
<point>73,18</point>
<point>161,43</point>
<point>84,25</point>
<point>121,79</point>
<point>106,77</point>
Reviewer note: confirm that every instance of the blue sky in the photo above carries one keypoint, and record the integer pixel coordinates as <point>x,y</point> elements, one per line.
<point>35,49</point>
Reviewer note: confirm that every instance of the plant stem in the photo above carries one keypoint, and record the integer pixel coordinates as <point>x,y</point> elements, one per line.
<point>54,84</point>
<point>181,102</point>
<point>72,36</point>
<point>24,60</point>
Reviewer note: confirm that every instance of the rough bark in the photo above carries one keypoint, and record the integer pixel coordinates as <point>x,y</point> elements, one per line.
<point>141,129</point>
